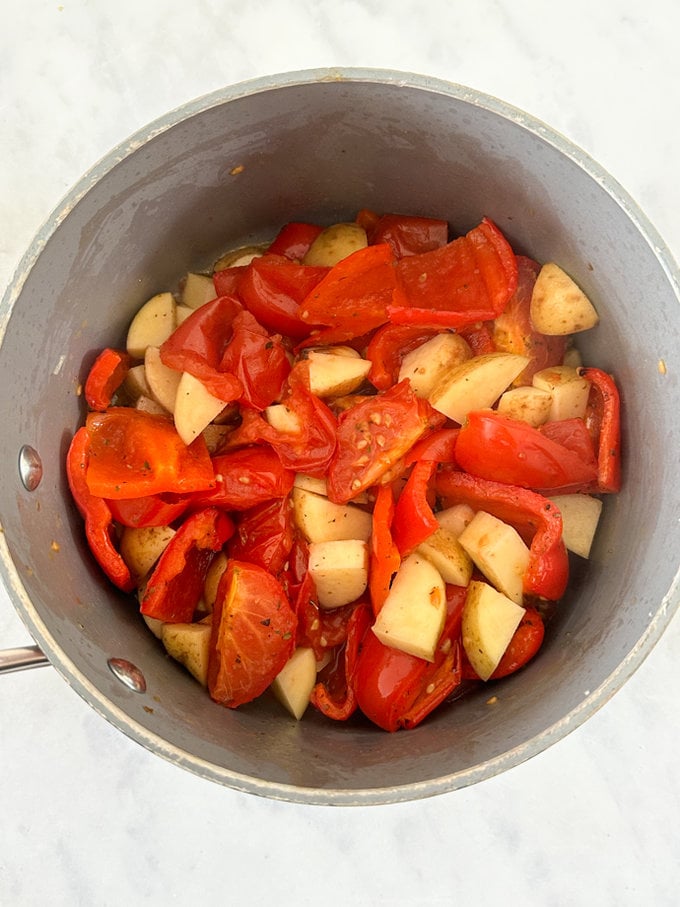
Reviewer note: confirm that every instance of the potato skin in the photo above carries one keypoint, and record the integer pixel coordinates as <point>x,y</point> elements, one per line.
<point>335,243</point>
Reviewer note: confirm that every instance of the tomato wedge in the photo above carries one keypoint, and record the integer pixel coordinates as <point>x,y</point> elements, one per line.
<point>252,637</point>
<point>199,343</point>
<point>264,535</point>
<point>373,435</point>
<point>245,478</point>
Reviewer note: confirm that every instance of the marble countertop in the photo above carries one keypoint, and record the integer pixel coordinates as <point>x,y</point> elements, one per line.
<point>89,817</point>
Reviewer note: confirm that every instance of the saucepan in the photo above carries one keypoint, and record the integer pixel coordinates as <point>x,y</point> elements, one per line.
<point>228,170</point>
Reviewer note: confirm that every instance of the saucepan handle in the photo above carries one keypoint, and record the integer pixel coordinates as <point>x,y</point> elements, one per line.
<point>22,658</point>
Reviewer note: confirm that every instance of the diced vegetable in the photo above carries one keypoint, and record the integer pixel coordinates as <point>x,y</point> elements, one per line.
<point>324,473</point>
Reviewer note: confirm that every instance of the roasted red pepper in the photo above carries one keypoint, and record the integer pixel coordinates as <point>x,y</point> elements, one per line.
<point>387,349</point>
<point>524,645</point>
<point>469,280</point>
<point>272,288</point>
<point>414,520</point>
<point>105,377</point>
<point>409,234</point>
<point>152,510</point>
<point>99,528</point>
<point>397,690</point>
<point>439,447</point>
<point>133,454</point>
<point>177,581</point>
<point>513,332</point>
<point>493,446</point>
<point>536,519</point>
<point>353,297</point>
<point>294,239</point>
<point>335,694</point>
<point>384,554</point>
<point>604,420</point>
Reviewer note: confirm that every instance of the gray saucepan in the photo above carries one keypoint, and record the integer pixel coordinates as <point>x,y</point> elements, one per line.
<point>229,169</point>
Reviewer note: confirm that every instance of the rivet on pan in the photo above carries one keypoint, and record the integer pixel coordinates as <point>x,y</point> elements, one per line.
<point>30,467</point>
<point>128,674</point>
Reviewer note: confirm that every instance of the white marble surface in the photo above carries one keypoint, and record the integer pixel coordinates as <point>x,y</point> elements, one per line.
<point>88,817</point>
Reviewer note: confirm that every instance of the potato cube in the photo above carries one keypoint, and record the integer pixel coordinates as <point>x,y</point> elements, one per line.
<point>489,623</point>
<point>498,551</point>
<point>580,517</point>
<point>424,365</point>
<point>558,305</point>
<point>412,616</point>
<point>293,685</point>
<point>339,570</point>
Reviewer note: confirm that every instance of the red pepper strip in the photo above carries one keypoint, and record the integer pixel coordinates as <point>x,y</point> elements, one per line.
<point>245,478</point>
<point>492,446</point>
<point>389,345</point>
<point>199,343</point>
<point>527,640</point>
<point>335,693</point>
<point>439,447</point>
<point>536,519</point>
<point>409,234</point>
<point>176,583</point>
<point>469,280</point>
<point>294,239</point>
<point>414,520</point>
<point>133,454</point>
<point>384,554</point>
<point>605,414</point>
<point>99,529</point>
<point>105,377</point>
<point>353,297</point>
<point>151,510</point>
<point>395,689</point>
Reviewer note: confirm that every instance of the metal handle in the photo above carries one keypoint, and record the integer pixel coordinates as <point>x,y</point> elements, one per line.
<point>22,658</point>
